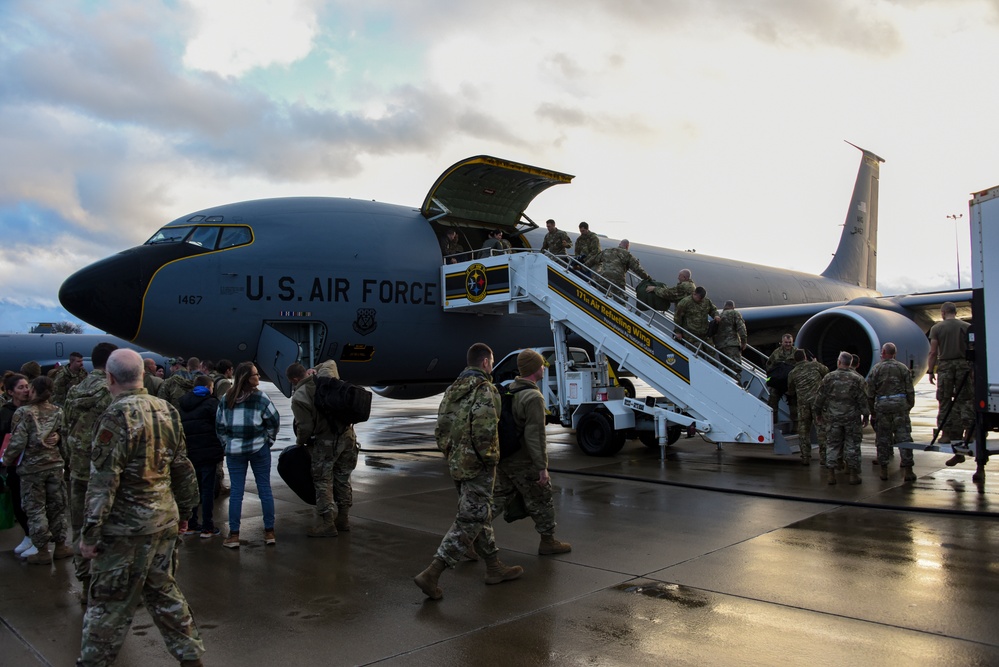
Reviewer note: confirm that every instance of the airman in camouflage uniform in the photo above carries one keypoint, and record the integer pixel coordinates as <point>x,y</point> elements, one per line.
<point>526,470</point>
<point>684,288</point>
<point>85,404</point>
<point>731,338</point>
<point>802,384</point>
<point>467,435</point>
<point>841,406</point>
<point>556,241</point>
<point>333,448</point>
<point>68,377</point>
<point>141,483</point>
<point>451,245</point>
<point>693,313</point>
<point>948,366</point>
<point>179,383</point>
<point>616,262</point>
<point>36,432</point>
<point>891,397</point>
<point>587,248</point>
<point>784,354</point>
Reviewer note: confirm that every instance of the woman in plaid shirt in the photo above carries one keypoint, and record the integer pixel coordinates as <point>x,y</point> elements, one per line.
<point>247,423</point>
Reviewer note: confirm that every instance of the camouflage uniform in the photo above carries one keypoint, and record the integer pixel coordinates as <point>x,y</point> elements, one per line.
<point>466,432</point>
<point>780,356</point>
<point>684,288</point>
<point>174,388</point>
<point>731,338</point>
<point>519,471</point>
<point>694,316</point>
<point>85,404</point>
<point>587,250</point>
<point>140,477</point>
<point>556,242</point>
<point>952,336</point>
<point>449,247</point>
<point>64,380</point>
<point>891,396</point>
<point>152,383</point>
<point>43,493</point>
<point>802,384</point>
<point>615,264</point>
<point>333,446</point>
<point>841,402</point>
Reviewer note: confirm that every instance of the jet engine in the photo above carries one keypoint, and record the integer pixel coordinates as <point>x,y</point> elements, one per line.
<point>410,392</point>
<point>862,330</point>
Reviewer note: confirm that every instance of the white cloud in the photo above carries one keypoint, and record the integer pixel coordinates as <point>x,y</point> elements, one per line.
<point>232,37</point>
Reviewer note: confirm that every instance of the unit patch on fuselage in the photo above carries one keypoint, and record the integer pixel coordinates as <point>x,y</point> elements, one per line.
<point>476,283</point>
<point>365,322</point>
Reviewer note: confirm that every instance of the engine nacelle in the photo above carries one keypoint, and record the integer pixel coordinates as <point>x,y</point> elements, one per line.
<point>410,392</point>
<point>862,330</point>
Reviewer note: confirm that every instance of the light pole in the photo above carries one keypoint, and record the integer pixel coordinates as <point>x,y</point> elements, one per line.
<point>957,245</point>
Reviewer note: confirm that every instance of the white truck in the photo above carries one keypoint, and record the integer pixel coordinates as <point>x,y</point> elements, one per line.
<point>984,210</point>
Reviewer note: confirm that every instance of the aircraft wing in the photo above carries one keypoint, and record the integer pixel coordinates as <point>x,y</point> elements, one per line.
<point>487,191</point>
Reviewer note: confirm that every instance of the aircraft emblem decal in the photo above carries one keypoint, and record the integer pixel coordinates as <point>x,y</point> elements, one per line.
<point>365,322</point>
<point>476,283</point>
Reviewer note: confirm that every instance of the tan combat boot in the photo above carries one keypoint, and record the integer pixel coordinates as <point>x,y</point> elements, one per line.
<point>549,546</point>
<point>342,522</point>
<point>884,473</point>
<point>831,475</point>
<point>497,572</point>
<point>62,551</point>
<point>427,580</point>
<point>854,476</point>
<point>43,557</point>
<point>325,526</point>
<point>909,475</point>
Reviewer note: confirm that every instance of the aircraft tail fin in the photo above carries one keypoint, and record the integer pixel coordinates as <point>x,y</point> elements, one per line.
<point>856,258</point>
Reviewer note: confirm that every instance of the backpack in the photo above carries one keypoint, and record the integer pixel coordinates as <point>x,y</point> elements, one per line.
<point>342,402</point>
<point>509,434</point>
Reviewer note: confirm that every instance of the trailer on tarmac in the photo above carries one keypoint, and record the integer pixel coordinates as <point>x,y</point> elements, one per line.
<point>984,335</point>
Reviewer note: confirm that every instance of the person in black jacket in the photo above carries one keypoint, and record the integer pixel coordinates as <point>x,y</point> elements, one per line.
<point>197,412</point>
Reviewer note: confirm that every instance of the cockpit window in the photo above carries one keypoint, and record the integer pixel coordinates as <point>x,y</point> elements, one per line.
<point>204,237</point>
<point>234,236</point>
<point>209,237</point>
<point>169,235</point>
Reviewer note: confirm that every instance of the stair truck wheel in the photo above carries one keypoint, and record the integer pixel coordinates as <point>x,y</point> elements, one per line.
<point>596,436</point>
<point>649,439</point>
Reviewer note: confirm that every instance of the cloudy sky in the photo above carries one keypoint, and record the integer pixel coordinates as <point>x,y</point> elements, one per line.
<point>715,125</point>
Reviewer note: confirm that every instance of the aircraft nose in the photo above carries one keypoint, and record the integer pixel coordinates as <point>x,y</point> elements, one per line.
<point>108,294</point>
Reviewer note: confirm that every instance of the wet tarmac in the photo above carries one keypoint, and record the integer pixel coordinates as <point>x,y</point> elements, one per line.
<point>720,557</point>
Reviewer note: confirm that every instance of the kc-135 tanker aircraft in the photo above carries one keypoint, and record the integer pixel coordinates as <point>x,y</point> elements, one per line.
<point>315,278</point>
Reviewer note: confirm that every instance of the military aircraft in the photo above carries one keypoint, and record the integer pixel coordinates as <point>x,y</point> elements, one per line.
<point>53,349</point>
<point>302,278</point>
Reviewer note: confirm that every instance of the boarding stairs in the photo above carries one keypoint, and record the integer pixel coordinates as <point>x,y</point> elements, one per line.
<point>689,374</point>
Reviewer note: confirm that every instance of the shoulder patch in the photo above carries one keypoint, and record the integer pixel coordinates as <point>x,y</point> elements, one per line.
<point>105,435</point>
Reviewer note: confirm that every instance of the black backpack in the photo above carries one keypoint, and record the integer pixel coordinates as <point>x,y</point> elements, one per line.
<point>342,402</point>
<point>509,434</point>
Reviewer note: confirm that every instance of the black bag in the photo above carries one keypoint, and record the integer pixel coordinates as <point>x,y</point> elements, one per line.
<point>778,377</point>
<point>342,402</point>
<point>509,434</point>
<point>712,328</point>
<point>295,468</point>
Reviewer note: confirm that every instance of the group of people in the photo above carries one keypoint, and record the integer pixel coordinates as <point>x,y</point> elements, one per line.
<point>139,467</point>
<point>840,403</point>
<point>489,481</point>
